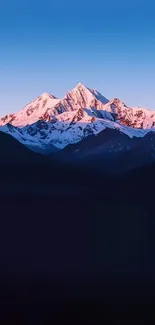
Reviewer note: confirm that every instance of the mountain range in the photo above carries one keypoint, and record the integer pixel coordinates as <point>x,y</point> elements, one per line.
<point>85,126</point>
<point>77,208</point>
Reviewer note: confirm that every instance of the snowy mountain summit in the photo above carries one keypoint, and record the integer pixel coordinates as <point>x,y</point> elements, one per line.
<point>30,113</point>
<point>49,123</point>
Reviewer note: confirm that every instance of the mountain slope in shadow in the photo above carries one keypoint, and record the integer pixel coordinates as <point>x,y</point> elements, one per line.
<point>13,152</point>
<point>73,241</point>
<point>111,152</point>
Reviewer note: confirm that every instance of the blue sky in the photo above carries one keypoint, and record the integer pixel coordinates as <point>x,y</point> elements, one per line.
<point>50,46</point>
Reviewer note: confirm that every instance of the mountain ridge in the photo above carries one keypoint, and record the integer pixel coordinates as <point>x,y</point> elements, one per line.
<point>48,124</point>
<point>79,97</point>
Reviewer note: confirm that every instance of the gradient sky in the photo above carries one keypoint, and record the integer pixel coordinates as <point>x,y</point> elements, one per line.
<point>50,46</point>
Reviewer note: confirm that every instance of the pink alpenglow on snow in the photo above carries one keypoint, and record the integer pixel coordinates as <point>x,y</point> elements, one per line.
<point>48,121</point>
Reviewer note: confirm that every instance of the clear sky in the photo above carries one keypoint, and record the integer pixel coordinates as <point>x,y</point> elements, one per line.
<point>51,45</point>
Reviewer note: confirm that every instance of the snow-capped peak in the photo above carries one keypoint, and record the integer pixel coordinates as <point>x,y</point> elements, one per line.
<point>32,112</point>
<point>47,107</point>
<point>47,96</point>
<point>91,93</point>
<point>80,87</point>
<point>79,97</point>
<point>86,97</point>
<point>48,121</point>
<point>80,84</point>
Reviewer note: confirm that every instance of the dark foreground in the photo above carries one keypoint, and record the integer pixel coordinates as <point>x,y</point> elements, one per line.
<point>76,247</point>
